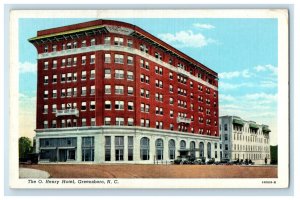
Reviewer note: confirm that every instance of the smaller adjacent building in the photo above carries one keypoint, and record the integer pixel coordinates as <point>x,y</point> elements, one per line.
<point>241,139</point>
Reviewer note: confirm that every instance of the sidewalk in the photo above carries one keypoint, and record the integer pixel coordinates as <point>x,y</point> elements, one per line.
<point>32,173</point>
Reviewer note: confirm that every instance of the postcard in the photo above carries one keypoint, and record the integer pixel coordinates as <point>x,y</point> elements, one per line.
<point>149,98</point>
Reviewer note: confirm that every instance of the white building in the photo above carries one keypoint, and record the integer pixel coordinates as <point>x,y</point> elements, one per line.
<point>241,139</point>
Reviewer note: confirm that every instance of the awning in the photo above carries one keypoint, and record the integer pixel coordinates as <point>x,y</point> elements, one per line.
<point>238,122</point>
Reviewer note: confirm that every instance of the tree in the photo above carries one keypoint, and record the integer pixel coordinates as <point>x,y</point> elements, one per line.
<point>24,146</point>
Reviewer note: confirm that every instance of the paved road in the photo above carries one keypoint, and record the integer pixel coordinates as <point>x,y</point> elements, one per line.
<point>32,173</point>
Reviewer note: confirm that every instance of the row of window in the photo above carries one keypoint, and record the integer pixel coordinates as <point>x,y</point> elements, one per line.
<point>249,148</point>
<point>69,92</point>
<point>248,138</point>
<point>251,156</point>
<point>243,129</point>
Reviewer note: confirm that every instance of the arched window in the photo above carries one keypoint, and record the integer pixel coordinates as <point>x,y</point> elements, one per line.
<point>209,150</point>
<point>159,144</point>
<point>144,147</point>
<point>171,149</point>
<point>201,147</point>
<point>192,149</point>
<point>182,144</point>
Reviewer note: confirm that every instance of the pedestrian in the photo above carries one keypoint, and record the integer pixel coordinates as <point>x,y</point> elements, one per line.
<point>266,160</point>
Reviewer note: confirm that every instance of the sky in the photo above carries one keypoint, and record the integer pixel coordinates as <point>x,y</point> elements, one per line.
<point>244,53</point>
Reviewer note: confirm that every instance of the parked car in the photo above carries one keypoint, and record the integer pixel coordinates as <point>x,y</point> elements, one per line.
<point>224,161</point>
<point>211,161</point>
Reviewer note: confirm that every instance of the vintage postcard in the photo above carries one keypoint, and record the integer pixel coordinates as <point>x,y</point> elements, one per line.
<point>149,99</point>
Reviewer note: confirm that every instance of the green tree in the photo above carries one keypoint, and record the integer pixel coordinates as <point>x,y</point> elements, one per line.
<point>24,146</point>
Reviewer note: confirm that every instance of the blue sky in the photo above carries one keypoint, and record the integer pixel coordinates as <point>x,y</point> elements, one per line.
<point>242,51</point>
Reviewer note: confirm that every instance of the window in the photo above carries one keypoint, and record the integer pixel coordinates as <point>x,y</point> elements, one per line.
<point>69,77</point>
<point>45,49</point>
<point>74,92</point>
<point>69,92</point>
<point>63,123</point>
<point>130,106</point>
<point>83,75</point>
<point>171,101</point>
<point>142,122</point>
<point>92,59</point>
<point>69,62</point>
<point>69,45</point>
<point>107,58</point>
<point>147,94</point>
<point>83,106</point>
<point>171,149</point>
<point>119,89</point>
<point>93,41</point>
<point>119,74</point>
<point>142,107</point>
<point>83,91</point>
<point>74,44</point>
<point>142,63</point>
<point>130,60</point>
<point>208,150</point>
<point>107,121</point>
<point>107,148</point>
<point>45,124</point>
<point>92,105</point>
<point>201,149</point>
<point>159,144</point>
<point>142,92</point>
<point>54,48</point>
<point>83,122</point>
<point>130,75</point>
<point>107,73</point>
<point>147,108</point>
<point>147,123</point>
<point>74,61</point>
<point>92,74</point>
<point>226,136</point>
<point>75,76</point>
<point>171,76</point>
<point>83,43</point>
<point>45,111</point>
<point>119,58</point>
<point>46,80</point>
<point>119,148</point>
<point>119,105</point>
<point>130,90</point>
<point>129,43</point>
<point>54,108</point>
<point>144,148</point>
<point>83,60</point>
<point>63,62</point>
<point>171,113</point>
<point>130,121</point>
<point>93,122</point>
<point>46,65</point>
<point>130,148</point>
<point>107,40</point>
<point>88,149</point>
<point>119,121</point>
<point>142,78</point>
<point>171,88</point>
<point>54,79</point>
<point>46,93</point>
<point>171,127</point>
<point>118,41</point>
<point>107,105</point>
<point>182,144</point>
<point>92,90</point>
<point>63,93</point>
<point>54,64</point>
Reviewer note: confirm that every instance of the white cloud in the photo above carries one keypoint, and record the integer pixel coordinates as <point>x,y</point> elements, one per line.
<point>203,26</point>
<point>268,84</point>
<point>263,68</point>
<point>232,86</point>
<point>261,96</point>
<point>186,39</point>
<point>27,67</point>
<point>224,97</point>
<point>235,74</point>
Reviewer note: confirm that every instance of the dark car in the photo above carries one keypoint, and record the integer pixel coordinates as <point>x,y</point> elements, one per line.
<point>224,161</point>
<point>31,158</point>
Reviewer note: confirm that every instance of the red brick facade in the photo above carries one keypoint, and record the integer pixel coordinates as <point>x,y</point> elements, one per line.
<point>196,86</point>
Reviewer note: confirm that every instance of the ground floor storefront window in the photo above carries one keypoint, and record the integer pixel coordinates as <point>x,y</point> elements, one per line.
<point>88,149</point>
<point>145,147</point>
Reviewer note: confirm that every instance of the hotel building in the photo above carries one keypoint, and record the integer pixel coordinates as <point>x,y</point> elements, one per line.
<point>110,92</point>
<point>241,139</point>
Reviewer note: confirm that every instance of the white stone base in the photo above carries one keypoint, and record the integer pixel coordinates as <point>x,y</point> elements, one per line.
<point>99,134</point>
